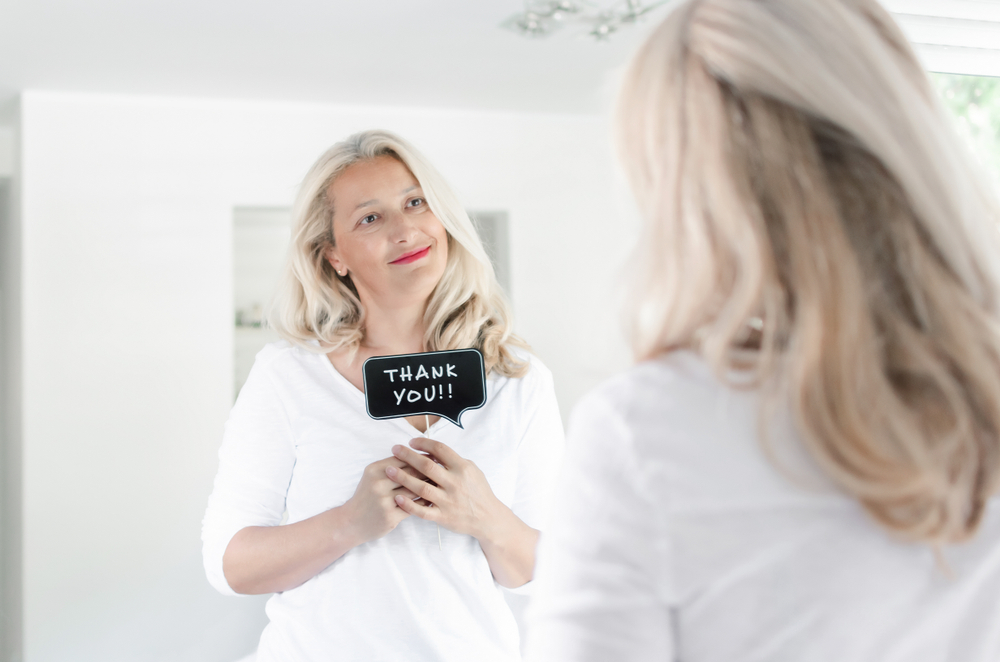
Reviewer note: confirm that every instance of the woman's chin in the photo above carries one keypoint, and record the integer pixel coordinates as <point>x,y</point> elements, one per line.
<point>411,290</point>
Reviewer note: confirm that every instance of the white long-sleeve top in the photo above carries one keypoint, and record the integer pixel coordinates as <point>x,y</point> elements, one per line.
<point>298,438</point>
<point>675,537</point>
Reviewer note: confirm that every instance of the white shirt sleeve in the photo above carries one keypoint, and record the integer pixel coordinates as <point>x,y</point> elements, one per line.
<point>602,563</point>
<point>255,468</point>
<point>539,453</point>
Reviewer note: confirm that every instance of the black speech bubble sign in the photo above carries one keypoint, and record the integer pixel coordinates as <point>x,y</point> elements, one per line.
<point>445,384</point>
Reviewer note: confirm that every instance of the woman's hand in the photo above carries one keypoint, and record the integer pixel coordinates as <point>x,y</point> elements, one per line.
<point>372,511</point>
<point>270,559</point>
<point>463,499</point>
<point>464,503</point>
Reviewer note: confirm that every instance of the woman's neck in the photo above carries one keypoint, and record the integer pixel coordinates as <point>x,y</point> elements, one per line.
<point>395,331</point>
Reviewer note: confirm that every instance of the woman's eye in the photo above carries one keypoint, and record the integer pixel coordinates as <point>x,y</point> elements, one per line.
<point>369,219</point>
<point>416,202</point>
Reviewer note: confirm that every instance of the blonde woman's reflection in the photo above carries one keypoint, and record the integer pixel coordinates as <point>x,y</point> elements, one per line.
<point>803,466</point>
<point>383,261</point>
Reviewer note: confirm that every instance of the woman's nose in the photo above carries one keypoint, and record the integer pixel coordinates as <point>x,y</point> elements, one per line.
<point>402,228</point>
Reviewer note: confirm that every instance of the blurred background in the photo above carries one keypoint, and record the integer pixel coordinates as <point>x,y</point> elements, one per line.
<point>149,154</point>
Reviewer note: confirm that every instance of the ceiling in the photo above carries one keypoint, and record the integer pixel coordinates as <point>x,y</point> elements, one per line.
<point>436,53</point>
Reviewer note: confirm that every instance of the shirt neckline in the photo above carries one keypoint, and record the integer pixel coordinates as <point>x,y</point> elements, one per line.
<point>359,394</point>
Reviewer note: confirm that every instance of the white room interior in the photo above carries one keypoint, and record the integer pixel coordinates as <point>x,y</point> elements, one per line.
<point>119,181</point>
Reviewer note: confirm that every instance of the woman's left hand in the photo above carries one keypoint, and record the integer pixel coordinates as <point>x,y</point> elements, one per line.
<point>464,503</point>
<point>462,497</point>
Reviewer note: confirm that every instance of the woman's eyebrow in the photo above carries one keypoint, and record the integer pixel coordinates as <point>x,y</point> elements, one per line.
<point>371,202</point>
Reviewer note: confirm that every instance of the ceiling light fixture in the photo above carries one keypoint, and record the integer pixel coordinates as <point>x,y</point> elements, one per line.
<point>541,18</point>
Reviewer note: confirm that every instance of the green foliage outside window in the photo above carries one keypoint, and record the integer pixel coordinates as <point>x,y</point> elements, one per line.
<point>975,102</point>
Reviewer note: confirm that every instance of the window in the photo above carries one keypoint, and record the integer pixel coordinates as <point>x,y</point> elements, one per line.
<point>975,102</point>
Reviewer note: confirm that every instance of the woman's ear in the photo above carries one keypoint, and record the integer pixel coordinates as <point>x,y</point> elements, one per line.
<point>330,253</point>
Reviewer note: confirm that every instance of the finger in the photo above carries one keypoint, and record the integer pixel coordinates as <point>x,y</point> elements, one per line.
<point>420,475</point>
<point>444,453</point>
<point>393,461</point>
<point>422,463</point>
<point>418,487</point>
<point>413,472</point>
<point>414,508</point>
<point>405,492</point>
<point>403,466</point>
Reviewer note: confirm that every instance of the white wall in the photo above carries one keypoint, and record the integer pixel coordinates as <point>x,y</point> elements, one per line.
<point>127,329</point>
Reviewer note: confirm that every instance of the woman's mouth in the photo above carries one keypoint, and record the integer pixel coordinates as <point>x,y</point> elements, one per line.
<point>412,256</point>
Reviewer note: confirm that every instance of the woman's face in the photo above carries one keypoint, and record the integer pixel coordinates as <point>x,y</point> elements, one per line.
<point>386,237</point>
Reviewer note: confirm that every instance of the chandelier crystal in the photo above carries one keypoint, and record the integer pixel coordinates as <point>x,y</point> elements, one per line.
<point>541,18</point>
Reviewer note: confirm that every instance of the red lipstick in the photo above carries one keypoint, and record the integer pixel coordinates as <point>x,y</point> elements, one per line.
<point>412,256</point>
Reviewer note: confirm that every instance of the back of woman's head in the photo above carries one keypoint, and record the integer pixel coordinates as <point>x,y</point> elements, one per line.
<point>320,310</point>
<point>806,200</point>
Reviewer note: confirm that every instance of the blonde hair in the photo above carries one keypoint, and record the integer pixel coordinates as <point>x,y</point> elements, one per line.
<point>466,309</point>
<point>809,210</point>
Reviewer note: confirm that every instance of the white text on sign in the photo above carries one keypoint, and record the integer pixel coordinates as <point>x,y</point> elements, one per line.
<point>405,374</point>
<point>429,394</point>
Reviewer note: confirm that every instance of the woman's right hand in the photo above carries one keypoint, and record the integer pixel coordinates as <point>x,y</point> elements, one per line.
<point>269,559</point>
<point>372,511</point>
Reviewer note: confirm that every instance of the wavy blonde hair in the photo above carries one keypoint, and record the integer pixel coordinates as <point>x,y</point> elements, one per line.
<point>811,218</point>
<point>466,309</point>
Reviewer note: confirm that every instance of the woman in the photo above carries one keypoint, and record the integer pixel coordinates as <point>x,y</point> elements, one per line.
<point>804,463</point>
<point>391,550</point>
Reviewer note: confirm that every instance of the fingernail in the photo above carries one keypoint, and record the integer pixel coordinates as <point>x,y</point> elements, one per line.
<point>396,449</point>
<point>391,471</point>
<point>399,498</point>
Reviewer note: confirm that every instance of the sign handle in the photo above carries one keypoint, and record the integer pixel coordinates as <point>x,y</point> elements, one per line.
<point>427,427</point>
